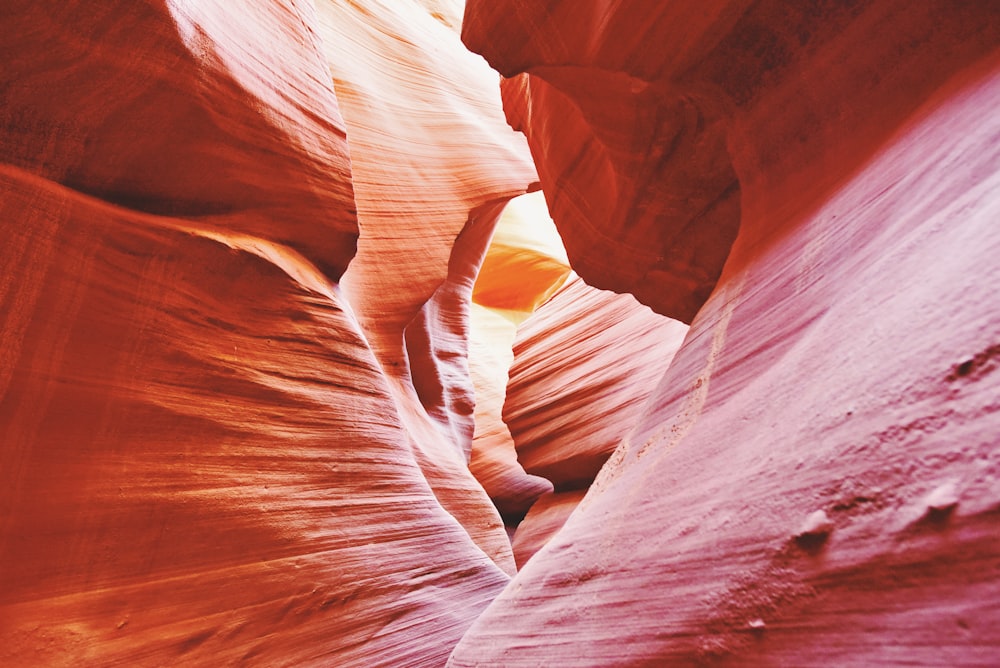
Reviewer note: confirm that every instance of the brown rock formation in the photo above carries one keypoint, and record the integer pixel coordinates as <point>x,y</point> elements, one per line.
<point>160,107</point>
<point>177,488</point>
<point>646,122</point>
<point>427,207</point>
<point>583,365</point>
<point>815,480</point>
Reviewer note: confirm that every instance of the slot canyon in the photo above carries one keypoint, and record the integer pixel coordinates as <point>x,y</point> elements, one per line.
<point>474,333</point>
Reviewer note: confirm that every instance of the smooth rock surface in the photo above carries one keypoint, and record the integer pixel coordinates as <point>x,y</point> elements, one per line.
<point>182,109</point>
<point>647,121</point>
<point>208,458</point>
<point>177,488</point>
<point>584,364</point>
<point>844,363</point>
<point>524,265</point>
<point>249,248</point>
<point>494,459</point>
<point>433,164</point>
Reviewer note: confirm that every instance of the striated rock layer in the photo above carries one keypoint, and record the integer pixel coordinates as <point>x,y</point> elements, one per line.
<point>524,265</point>
<point>584,364</point>
<point>816,478</point>
<point>208,453</point>
<point>433,164</point>
<point>646,123</point>
<point>177,488</point>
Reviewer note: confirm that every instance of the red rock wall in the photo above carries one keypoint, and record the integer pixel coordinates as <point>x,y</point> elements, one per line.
<point>815,479</point>
<point>584,364</point>
<point>211,455</point>
<point>427,207</point>
<point>646,123</point>
<point>237,417</point>
<point>178,489</point>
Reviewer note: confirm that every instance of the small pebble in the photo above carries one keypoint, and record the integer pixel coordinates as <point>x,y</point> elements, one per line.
<point>817,524</point>
<point>943,499</point>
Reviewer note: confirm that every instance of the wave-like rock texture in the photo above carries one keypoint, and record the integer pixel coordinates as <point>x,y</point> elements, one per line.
<point>524,266</point>
<point>815,481</point>
<point>547,515</point>
<point>434,164</point>
<point>200,459</point>
<point>494,459</point>
<point>207,458</point>
<point>631,155</point>
<point>639,117</point>
<point>160,107</point>
<point>584,364</point>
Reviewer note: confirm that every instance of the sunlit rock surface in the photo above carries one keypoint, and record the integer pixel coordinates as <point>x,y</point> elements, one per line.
<point>815,479</point>
<point>584,364</point>
<point>211,453</point>
<point>434,164</point>
<point>524,266</point>
<point>177,489</point>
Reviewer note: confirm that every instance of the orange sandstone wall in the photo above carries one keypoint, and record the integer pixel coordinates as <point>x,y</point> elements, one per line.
<point>211,452</point>
<point>583,366</point>
<point>524,265</point>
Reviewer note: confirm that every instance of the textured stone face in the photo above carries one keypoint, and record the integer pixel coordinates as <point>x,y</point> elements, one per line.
<point>814,480</point>
<point>524,266</point>
<point>632,154</point>
<point>584,364</point>
<point>177,488</point>
<point>247,257</point>
<point>427,208</point>
<point>181,109</point>
<point>212,453</point>
<point>649,123</point>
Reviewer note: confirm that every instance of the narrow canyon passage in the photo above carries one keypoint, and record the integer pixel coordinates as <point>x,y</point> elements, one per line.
<point>499,333</point>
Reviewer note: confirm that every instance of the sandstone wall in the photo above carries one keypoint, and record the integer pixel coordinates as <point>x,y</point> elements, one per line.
<point>814,481</point>
<point>212,451</point>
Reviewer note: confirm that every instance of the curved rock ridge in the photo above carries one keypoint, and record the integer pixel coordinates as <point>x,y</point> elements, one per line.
<point>815,479</point>
<point>434,163</point>
<point>201,462</point>
<point>649,122</point>
<point>211,454</point>
<point>180,108</point>
<point>524,265</point>
<point>584,364</point>
<point>633,161</point>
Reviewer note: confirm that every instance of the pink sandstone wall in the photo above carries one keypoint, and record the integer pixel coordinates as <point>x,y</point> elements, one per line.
<point>815,479</point>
